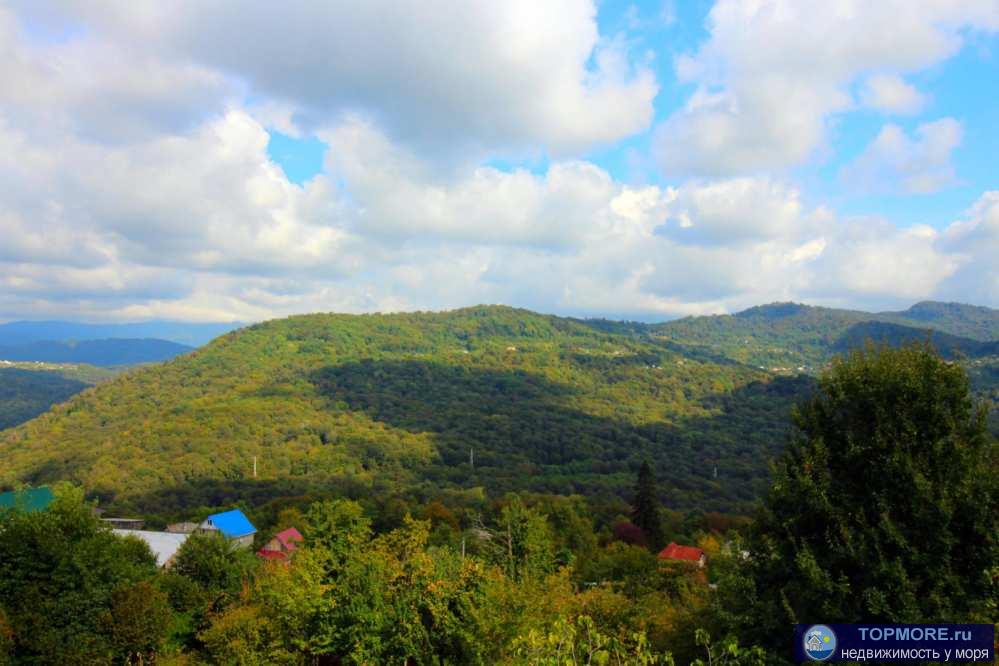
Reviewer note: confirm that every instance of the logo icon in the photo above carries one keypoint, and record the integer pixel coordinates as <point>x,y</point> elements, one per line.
<point>819,642</point>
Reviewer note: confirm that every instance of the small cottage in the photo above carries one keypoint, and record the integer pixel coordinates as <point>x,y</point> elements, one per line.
<point>282,545</point>
<point>233,525</point>
<point>689,554</point>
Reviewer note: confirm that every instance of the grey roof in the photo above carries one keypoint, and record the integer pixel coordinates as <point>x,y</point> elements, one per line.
<point>163,544</point>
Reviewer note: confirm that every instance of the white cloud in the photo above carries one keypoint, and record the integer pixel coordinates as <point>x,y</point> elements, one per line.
<point>399,198</point>
<point>891,94</point>
<point>102,91</point>
<point>182,214</point>
<point>975,242</point>
<point>773,72</point>
<point>734,211</point>
<point>919,165</point>
<point>447,74</point>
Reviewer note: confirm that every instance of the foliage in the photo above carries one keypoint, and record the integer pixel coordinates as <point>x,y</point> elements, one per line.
<point>885,508</point>
<point>548,404</point>
<point>521,542</point>
<point>135,620</point>
<point>728,653</point>
<point>28,389</point>
<point>646,512</point>
<point>215,564</point>
<point>569,643</point>
<point>69,587</point>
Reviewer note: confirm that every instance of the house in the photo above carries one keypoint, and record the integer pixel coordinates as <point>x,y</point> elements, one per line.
<point>163,544</point>
<point>677,553</point>
<point>282,545</point>
<point>233,525</point>
<point>28,499</point>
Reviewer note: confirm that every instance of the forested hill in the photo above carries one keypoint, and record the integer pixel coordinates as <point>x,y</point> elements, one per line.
<point>789,336</point>
<point>402,401</point>
<point>486,397</point>
<point>28,389</point>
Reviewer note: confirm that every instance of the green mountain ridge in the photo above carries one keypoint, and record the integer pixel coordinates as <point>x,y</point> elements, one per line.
<point>484,398</point>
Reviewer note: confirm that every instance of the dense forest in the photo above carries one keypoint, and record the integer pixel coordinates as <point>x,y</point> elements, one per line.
<point>481,400</point>
<point>884,509</point>
<point>28,389</point>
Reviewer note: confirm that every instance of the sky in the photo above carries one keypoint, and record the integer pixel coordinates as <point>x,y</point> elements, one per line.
<point>233,161</point>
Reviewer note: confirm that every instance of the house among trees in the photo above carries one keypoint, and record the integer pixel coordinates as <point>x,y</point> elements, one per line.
<point>674,552</point>
<point>28,499</point>
<point>282,545</point>
<point>233,525</point>
<point>163,544</point>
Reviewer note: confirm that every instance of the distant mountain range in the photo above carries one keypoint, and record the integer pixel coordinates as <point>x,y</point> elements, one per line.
<point>372,405</point>
<point>188,334</point>
<point>107,353</point>
<point>46,362</point>
<point>798,337</point>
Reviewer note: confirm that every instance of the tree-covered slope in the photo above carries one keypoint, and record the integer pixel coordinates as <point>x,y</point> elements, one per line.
<point>483,397</point>
<point>28,389</point>
<point>969,321</point>
<point>486,397</point>
<point>793,337</point>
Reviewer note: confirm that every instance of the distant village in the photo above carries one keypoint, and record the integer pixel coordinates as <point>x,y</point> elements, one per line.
<point>233,525</point>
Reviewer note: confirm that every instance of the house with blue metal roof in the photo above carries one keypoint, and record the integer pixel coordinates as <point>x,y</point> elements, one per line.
<point>233,525</point>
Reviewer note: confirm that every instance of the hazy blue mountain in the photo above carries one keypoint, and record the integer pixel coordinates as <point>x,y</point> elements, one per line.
<point>112,352</point>
<point>190,334</point>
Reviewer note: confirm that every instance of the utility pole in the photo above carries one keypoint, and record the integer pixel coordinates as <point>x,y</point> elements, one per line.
<point>471,458</point>
<point>254,467</point>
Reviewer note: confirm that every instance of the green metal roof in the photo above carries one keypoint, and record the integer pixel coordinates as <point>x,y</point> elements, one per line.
<point>29,499</point>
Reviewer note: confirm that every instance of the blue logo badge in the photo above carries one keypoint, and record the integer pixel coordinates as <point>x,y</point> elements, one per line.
<point>819,642</point>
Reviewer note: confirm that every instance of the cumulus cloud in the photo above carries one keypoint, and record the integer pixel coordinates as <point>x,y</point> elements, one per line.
<point>399,198</point>
<point>891,94</point>
<point>917,165</point>
<point>130,199</point>
<point>512,74</point>
<point>773,72</point>
<point>735,211</point>
<point>974,241</point>
<point>104,91</point>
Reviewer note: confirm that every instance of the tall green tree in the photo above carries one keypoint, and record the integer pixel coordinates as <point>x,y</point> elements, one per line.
<point>884,506</point>
<point>646,511</point>
<point>73,592</point>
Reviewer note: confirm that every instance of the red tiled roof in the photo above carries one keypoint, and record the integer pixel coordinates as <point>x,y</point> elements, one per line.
<point>674,551</point>
<point>288,537</point>
<point>271,554</point>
